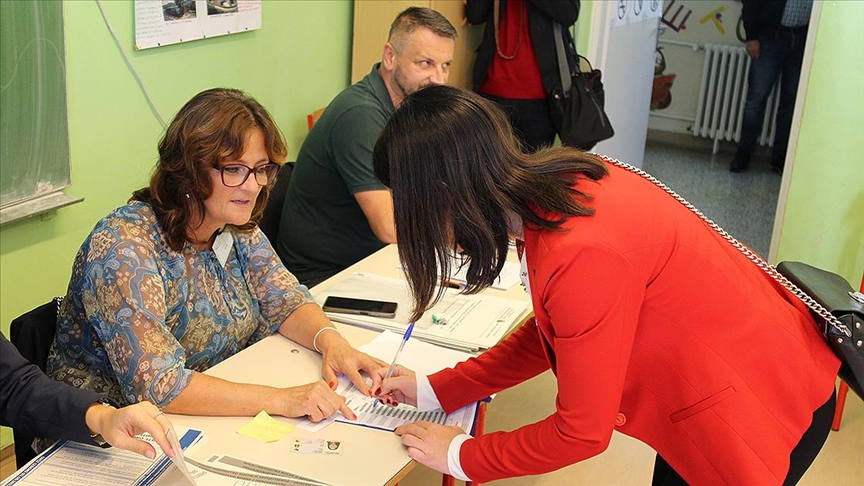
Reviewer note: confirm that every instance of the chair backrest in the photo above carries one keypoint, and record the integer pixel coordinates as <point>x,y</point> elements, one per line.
<point>33,333</point>
<point>272,216</point>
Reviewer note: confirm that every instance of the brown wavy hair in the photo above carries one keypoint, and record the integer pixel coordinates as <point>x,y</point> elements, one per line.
<point>210,129</point>
<point>456,171</point>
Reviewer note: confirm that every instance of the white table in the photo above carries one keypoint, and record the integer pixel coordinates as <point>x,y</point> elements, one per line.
<point>369,456</point>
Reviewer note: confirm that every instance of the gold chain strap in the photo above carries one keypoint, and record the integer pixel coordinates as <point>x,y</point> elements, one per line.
<point>753,257</point>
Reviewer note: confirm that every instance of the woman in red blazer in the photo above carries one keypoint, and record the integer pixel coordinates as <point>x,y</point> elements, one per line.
<point>654,325</point>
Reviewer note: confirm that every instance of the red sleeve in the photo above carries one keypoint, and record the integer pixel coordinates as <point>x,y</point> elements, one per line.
<point>516,359</point>
<point>592,297</point>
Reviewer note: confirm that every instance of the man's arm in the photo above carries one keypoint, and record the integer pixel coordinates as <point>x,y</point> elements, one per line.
<point>750,17</point>
<point>378,208</point>
<point>37,405</point>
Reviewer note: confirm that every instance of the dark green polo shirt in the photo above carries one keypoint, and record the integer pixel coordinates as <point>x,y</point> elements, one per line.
<point>323,229</point>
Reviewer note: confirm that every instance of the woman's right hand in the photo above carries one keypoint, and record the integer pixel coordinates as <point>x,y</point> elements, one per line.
<point>315,401</point>
<point>401,387</point>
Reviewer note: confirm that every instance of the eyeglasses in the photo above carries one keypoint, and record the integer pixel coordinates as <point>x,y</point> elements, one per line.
<point>234,175</point>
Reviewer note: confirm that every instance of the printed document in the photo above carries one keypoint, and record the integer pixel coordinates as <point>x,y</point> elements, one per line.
<point>68,462</point>
<point>422,358</point>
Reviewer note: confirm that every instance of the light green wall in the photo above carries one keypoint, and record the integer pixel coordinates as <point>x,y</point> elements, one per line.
<point>583,26</point>
<point>824,220</point>
<point>297,62</point>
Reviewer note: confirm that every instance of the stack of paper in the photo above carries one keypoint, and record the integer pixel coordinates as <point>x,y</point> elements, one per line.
<point>68,462</point>
<point>464,322</point>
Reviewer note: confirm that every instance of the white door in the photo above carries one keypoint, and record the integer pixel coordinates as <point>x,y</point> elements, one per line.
<point>622,44</point>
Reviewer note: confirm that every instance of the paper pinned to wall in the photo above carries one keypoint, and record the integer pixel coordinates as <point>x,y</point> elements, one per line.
<point>164,22</point>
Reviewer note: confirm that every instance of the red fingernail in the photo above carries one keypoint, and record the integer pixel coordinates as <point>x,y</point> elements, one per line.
<point>332,384</point>
<point>378,391</point>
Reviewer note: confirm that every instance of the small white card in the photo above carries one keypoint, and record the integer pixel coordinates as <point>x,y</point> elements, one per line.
<point>317,446</point>
<point>222,246</point>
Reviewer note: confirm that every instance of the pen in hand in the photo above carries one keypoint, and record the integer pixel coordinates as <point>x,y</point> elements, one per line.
<point>396,358</point>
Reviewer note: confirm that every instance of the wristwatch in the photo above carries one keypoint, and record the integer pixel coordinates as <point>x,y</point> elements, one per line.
<point>97,438</point>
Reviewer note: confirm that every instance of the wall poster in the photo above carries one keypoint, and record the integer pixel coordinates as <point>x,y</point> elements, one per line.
<point>163,22</point>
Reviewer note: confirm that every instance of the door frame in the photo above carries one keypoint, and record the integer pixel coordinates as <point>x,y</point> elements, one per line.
<point>597,46</point>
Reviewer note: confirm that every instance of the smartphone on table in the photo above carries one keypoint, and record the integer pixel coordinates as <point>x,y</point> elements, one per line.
<point>363,307</point>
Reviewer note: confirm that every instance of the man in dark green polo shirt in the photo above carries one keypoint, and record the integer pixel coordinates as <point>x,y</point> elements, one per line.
<point>336,211</point>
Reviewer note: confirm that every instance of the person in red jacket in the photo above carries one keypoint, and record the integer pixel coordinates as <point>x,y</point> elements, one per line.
<point>517,63</point>
<point>654,325</point>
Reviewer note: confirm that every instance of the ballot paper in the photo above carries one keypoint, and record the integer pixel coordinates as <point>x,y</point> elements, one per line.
<point>68,462</point>
<point>223,470</point>
<point>422,358</point>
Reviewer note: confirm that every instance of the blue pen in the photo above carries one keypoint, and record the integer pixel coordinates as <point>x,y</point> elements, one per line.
<point>396,358</point>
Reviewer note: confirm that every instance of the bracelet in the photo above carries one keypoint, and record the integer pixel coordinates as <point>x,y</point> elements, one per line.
<point>315,339</point>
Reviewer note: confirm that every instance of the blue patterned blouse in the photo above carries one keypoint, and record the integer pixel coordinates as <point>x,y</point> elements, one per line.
<point>140,318</point>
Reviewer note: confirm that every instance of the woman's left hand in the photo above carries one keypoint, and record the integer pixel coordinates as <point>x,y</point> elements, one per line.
<point>340,357</point>
<point>428,443</point>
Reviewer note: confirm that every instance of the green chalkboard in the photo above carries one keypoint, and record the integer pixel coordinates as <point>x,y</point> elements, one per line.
<point>34,132</point>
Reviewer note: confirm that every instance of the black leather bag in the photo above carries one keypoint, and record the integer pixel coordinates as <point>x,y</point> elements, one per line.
<point>577,109</point>
<point>845,332</point>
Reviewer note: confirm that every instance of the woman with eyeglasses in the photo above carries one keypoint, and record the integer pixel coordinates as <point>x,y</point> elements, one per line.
<point>181,278</point>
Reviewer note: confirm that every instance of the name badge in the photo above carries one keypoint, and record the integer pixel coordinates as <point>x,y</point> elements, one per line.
<point>222,246</point>
<point>523,273</point>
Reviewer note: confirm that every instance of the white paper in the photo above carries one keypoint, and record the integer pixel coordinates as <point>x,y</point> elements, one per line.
<point>473,322</point>
<point>68,462</point>
<point>311,426</point>
<point>230,471</point>
<point>164,22</point>
<point>222,246</point>
<point>422,358</point>
<point>178,460</point>
<point>508,277</point>
<point>388,418</point>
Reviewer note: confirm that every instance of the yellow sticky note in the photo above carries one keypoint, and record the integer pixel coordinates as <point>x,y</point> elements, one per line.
<point>265,428</point>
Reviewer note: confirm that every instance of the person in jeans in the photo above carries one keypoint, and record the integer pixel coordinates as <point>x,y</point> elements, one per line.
<point>776,32</point>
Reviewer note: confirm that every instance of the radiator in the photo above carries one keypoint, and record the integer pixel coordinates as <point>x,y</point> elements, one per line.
<point>720,107</point>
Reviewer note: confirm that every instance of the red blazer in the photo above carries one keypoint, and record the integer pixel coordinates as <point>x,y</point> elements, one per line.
<point>655,327</point>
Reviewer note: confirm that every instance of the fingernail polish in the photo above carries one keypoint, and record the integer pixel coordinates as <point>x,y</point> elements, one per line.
<point>378,391</point>
<point>332,384</point>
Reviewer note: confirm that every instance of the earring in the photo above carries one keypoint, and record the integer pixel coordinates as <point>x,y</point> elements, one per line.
<point>187,195</point>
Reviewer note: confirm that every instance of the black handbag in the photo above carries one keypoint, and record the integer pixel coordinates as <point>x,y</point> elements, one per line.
<point>838,310</point>
<point>577,109</point>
